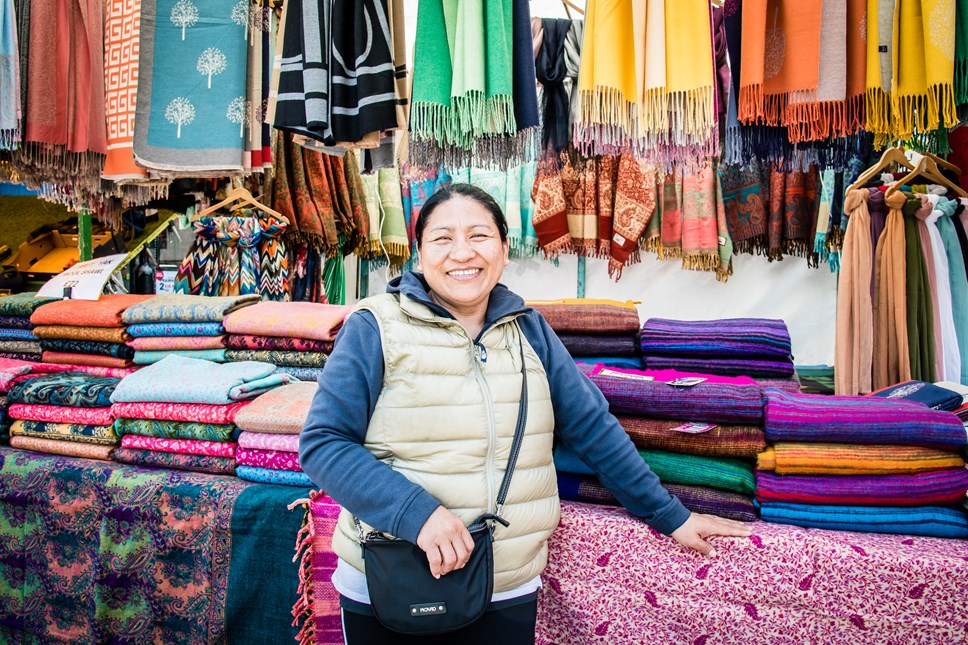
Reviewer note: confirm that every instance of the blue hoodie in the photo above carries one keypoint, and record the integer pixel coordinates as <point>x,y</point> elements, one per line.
<point>331,447</point>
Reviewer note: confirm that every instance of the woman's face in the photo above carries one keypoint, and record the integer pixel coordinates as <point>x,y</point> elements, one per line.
<point>461,255</point>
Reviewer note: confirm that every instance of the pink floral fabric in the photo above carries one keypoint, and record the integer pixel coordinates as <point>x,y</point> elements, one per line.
<point>274,459</point>
<point>181,446</point>
<point>612,579</point>
<point>296,319</point>
<point>11,368</point>
<point>59,414</point>
<point>265,441</point>
<point>171,343</point>
<point>202,413</point>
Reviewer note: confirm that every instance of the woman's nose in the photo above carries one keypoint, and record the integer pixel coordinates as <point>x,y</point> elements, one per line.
<point>461,250</point>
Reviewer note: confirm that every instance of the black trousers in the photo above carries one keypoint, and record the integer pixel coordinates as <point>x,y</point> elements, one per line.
<point>512,625</point>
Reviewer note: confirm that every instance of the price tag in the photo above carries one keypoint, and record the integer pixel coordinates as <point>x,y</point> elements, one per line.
<point>84,280</point>
<point>694,428</point>
<point>687,381</point>
<point>634,377</point>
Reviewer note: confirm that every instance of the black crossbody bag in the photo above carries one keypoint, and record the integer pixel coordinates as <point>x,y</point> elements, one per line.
<point>406,597</point>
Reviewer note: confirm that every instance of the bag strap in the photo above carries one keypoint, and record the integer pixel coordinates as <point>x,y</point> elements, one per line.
<point>518,430</point>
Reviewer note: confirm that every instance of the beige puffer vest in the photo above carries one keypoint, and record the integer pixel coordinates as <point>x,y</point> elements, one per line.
<point>445,419</point>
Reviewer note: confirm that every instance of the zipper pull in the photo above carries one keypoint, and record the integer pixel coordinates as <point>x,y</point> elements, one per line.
<point>481,353</point>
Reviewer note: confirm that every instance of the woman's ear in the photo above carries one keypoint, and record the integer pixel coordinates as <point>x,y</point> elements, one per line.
<point>507,259</point>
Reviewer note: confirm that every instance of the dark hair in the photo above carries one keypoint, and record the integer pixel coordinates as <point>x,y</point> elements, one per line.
<point>467,191</point>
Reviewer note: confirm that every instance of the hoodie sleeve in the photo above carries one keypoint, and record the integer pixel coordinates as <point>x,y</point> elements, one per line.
<point>582,421</point>
<point>331,447</point>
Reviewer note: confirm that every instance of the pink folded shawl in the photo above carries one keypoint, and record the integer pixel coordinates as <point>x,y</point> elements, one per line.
<point>296,319</point>
<point>58,414</point>
<point>182,446</point>
<point>202,413</point>
<point>273,459</point>
<point>156,343</point>
<point>282,411</point>
<point>265,441</point>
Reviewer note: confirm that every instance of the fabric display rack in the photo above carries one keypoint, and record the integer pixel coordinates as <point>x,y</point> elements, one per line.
<point>150,484</point>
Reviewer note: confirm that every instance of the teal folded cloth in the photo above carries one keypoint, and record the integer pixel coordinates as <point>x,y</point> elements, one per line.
<point>932,521</point>
<point>176,379</point>
<point>181,308</point>
<point>148,357</point>
<point>22,304</point>
<point>155,330</point>
<point>272,476</point>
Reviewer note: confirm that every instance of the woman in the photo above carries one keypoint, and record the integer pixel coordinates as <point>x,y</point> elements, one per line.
<point>411,426</point>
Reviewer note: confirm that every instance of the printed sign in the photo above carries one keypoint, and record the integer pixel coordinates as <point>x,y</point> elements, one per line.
<point>84,280</point>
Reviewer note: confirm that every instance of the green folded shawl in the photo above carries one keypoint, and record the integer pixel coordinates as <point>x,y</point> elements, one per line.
<point>176,429</point>
<point>724,473</point>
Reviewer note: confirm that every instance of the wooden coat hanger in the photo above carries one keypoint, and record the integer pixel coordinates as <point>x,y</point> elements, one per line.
<point>944,163</point>
<point>934,173</point>
<point>244,196</point>
<point>568,3</point>
<point>891,155</point>
<point>918,169</point>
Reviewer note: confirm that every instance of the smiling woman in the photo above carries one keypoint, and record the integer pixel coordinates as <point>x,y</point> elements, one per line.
<point>412,427</point>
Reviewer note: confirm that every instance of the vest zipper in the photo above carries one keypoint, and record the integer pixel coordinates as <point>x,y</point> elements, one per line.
<point>478,359</point>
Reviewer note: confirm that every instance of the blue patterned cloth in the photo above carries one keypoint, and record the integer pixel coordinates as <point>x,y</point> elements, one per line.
<point>270,476</point>
<point>181,308</point>
<point>301,373</point>
<point>10,333</point>
<point>155,330</point>
<point>148,357</point>
<point>176,379</point>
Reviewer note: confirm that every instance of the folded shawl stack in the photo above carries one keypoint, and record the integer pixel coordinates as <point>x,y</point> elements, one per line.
<point>180,412</point>
<point>17,338</point>
<point>63,413</point>
<point>757,347</point>
<point>476,99</point>
<point>712,471</point>
<point>181,325</point>
<point>595,331</point>
<point>86,332</point>
<point>835,458</point>
<point>296,337</point>
<point>269,444</point>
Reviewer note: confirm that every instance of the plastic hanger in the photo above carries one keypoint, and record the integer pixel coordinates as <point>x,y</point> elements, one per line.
<point>891,155</point>
<point>244,196</point>
<point>918,169</point>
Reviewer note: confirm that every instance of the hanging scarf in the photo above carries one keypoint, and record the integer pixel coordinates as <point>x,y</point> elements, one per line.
<point>946,334</point>
<point>934,260</point>
<point>780,65</point>
<point>10,107</point>
<point>920,323</point>
<point>550,210</point>
<point>957,279</point>
<point>880,67</point>
<point>746,196</point>
<point>705,240</point>
<point>922,89</point>
<point>733,28</point>
<point>273,261</point>
<point>793,212</point>
<point>463,95</point>
<point>961,52</point>
<point>183,125</point>
<point>608,88</point>
<point>832,77</point>
<point>635,197</point>
<point>857,18</point>
<point>854,340</point>
<point>122,30</point>
<point>393,228</point>
<point>892,362</point>
<point>551,73</point>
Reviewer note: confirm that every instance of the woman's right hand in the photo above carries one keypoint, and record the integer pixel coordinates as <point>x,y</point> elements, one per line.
<point>446,541</point>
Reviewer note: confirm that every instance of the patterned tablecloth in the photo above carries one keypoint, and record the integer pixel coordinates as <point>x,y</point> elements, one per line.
<point>611,579</point>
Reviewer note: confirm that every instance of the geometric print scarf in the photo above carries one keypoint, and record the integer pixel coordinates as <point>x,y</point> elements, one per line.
<point>236,255</point>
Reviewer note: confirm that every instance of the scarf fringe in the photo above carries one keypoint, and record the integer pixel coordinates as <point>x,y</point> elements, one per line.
<point>302,610</point>
<point>560,246</point>
<point>606,106</point>
<point>878,111</point>
<point>653,115</point>
<point>691,113</point>
<point>668,252</point>
<point>703,262</point>
<point>750,105</point>
<point>752,246</point>
<point>924,112</point>
<point>733,146</point>
<point>723,273</point>
<point>10,138</point>
<point>651,245</point>
<point>856,114</point>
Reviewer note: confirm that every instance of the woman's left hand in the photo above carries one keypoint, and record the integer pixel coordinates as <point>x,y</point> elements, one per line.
<point>698,527</point>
